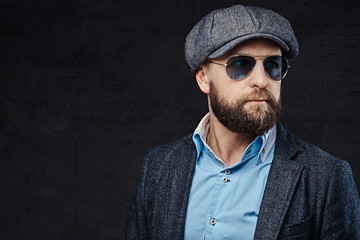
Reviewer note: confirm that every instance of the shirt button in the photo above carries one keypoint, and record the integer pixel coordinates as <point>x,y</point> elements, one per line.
<point>227,171</point>
<point>213,221</point>
<point>263,150</point>
<point>225,179</point>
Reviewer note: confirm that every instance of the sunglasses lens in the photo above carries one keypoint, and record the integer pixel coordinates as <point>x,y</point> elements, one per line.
<point>239,67</point>
<point>276,67</point>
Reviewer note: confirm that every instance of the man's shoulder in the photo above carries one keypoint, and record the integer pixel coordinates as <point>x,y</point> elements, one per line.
<point>171,151</point>
<point>170,162</point>
<point>311,155</point>
<point>174,145</point>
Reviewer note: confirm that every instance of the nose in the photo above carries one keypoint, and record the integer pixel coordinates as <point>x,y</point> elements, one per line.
<point>258,77</point>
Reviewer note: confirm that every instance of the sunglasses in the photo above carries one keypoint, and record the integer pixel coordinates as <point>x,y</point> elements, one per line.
<point>240,66</point>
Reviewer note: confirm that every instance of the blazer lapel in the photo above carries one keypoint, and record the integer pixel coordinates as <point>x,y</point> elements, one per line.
<point>283,177</point>
<point>182,174</point>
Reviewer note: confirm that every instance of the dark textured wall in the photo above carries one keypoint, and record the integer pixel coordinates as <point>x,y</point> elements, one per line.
<point>88,87</point>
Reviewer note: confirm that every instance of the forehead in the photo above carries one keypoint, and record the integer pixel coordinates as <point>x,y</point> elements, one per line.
<point>258,46</point>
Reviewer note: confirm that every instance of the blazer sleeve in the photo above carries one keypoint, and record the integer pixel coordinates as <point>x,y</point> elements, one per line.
<point>342,207</point>
<point>135,226</point>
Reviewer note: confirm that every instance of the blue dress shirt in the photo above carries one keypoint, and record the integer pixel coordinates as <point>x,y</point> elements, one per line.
<point>224,202</point>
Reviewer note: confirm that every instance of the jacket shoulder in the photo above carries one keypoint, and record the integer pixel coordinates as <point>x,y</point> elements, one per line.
<point>175,155</point>
<point>315,152</point>
<point>307,153</point>
<point>164,150</point>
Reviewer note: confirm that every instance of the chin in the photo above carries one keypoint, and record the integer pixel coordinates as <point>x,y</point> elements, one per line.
<point>257,108</point>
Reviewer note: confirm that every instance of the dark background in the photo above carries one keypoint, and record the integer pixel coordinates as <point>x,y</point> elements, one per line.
<point>88,87</point>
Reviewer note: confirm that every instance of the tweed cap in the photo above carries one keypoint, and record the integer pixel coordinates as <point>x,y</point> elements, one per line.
<point>223,29</point>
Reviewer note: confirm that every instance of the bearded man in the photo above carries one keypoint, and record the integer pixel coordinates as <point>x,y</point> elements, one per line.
<point>241,174</point>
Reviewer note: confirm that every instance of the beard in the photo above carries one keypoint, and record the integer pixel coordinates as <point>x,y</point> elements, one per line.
<point>253,120</point>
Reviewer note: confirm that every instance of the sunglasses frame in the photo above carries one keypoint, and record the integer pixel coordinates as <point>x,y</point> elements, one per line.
<point>256,58</point>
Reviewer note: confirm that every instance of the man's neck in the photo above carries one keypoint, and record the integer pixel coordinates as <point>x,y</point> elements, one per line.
<point>227,145</point>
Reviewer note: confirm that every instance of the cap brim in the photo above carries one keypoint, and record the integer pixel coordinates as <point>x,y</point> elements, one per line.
<point>233,43</point>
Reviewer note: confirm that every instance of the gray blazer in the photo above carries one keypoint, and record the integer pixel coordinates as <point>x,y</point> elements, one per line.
<point>309,194</point>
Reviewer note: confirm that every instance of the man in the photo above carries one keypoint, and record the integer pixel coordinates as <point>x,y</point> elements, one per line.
<point>241,175</point>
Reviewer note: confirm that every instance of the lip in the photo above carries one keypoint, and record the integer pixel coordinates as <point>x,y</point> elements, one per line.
<point>257,100</point>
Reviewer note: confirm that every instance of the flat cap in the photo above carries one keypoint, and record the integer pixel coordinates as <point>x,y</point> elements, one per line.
<point>223,29</point>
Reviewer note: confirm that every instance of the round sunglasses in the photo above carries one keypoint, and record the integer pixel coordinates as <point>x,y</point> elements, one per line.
<point>240,66</point>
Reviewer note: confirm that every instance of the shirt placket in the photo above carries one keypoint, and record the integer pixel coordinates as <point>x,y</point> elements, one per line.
<point>222,182</point>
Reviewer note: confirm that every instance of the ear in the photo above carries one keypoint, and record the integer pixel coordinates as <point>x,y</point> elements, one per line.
<point>202,79</point>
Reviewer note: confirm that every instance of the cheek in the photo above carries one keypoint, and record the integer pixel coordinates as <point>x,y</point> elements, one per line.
<point>276,89</point>
<point>227,88</point>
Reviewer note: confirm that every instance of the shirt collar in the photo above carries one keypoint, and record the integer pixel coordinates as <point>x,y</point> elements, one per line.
<point>201,131</point>
<point>200,134</point>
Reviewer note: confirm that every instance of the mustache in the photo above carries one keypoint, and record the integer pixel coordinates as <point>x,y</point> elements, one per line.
<point>259,94</point>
